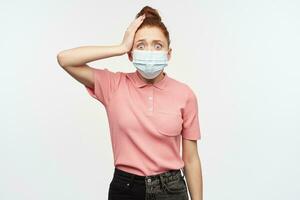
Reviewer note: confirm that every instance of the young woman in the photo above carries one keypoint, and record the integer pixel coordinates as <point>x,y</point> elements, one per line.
<point>148,113</point>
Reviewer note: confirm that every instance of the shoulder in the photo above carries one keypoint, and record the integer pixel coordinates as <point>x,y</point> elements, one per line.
<point>182,87</point>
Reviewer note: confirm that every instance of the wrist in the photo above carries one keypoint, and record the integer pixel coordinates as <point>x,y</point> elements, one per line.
<point>122,49</point>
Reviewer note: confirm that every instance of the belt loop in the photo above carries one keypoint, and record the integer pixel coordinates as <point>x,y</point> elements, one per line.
<point>161,181</point>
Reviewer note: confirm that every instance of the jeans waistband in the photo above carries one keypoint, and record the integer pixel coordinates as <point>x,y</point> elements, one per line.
<point>118,173</point>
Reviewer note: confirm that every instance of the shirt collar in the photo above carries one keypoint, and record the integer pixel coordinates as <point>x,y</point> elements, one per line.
<point>138,82</point>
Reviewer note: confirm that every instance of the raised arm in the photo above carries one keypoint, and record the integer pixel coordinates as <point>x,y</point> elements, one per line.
<point>74,60</point>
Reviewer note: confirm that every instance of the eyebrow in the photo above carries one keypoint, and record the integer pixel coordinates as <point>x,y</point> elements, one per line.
<point>153,40</point>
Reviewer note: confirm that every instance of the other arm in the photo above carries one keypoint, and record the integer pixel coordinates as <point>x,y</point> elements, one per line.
<point>192,168</point>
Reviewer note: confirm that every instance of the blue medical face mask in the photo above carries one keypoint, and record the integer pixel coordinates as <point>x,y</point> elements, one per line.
<point>149,63</point>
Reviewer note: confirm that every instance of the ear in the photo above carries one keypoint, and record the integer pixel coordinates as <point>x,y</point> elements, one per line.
<point>169,54</point>
<point>130,55</point>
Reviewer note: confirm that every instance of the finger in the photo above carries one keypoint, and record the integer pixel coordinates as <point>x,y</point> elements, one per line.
<point>138,23</point>
<point>135,22</point>
<point>140,18</point>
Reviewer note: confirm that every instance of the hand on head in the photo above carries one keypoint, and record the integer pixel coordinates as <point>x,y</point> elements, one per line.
<point>128,38</point>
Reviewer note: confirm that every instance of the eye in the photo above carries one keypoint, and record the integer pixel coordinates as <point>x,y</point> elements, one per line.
<point>158,45</point>
<point>139,45</point>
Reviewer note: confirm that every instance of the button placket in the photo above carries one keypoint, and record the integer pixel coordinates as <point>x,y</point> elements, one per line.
<point>150,102</point>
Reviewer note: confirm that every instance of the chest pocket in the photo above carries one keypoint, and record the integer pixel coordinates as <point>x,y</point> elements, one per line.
<point>169,124</point>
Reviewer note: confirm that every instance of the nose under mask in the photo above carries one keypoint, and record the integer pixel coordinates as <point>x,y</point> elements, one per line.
<point>149,63</point>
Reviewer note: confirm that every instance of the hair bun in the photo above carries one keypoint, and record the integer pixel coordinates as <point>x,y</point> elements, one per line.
<point>150,13</point>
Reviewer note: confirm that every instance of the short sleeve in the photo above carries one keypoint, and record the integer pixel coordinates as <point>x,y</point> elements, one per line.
<point>191,127</point>
<point>106,83</point>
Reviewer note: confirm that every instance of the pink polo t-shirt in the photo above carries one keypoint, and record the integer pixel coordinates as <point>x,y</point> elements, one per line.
<point>146,121</point>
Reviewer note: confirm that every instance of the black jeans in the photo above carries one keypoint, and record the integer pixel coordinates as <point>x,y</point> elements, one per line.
<point>169,185</point>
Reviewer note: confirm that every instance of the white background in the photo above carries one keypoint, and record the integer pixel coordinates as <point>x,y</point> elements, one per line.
<point>241,58</point>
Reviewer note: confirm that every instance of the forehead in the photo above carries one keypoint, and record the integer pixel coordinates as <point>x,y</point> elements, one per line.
<point>149,34</point>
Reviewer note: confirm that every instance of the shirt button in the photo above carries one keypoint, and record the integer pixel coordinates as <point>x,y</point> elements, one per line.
<point>150,98</point>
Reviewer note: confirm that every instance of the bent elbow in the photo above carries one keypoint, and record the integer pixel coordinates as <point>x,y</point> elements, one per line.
<point>60,59</point>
